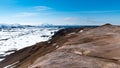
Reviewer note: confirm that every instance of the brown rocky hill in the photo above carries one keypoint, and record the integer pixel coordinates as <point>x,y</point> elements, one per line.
<point>72,48</point>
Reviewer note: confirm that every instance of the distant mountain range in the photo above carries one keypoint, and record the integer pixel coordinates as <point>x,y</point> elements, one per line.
<point>4,26</point>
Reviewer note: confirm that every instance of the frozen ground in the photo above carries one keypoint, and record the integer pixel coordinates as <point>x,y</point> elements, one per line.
<point>18,38</point>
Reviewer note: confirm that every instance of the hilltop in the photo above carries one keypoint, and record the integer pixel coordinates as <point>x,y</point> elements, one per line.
<point>97,47</point>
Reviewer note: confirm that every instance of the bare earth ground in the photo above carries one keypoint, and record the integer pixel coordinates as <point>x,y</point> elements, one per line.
<point>72,48</point>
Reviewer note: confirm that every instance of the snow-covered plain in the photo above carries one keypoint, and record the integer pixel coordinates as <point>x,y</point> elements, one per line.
<point>17,38</point>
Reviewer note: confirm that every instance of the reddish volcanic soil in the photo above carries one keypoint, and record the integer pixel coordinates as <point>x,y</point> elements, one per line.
<point>72,48</point>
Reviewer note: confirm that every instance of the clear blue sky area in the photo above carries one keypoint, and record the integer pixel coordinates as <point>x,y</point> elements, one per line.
<point>60,12</point>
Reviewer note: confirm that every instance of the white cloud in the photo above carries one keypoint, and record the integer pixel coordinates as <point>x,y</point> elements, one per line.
<point>100,11</point>
<point>25,14</point>
<point>70,18</point>
<point>42,8</point>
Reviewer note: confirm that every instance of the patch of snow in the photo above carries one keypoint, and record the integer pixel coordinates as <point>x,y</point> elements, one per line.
<point>81,31</point>
<point>18,38</point>
<point>72,33</point>
<point>57,46</point>
<point>78,52</point>
<point>12,65</point>
<point>1,59</point>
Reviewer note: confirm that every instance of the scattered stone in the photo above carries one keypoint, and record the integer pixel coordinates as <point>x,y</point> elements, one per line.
<point>86,52</point>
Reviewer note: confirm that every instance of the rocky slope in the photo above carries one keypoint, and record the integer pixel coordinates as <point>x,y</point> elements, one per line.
<point>71,48</point>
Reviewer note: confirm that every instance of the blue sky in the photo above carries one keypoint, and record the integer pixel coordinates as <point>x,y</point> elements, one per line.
<point>80,12</point>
